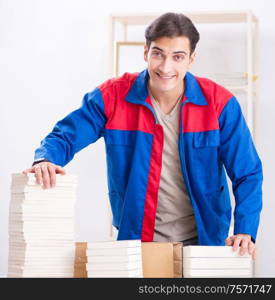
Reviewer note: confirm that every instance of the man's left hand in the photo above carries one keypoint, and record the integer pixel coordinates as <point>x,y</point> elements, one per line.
<point>244,242</point>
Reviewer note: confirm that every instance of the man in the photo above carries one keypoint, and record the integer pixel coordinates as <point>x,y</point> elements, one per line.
<point>168,137</point>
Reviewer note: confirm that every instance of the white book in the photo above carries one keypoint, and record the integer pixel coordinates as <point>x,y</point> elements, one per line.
<point>56,257</point>
<point>114,244</point>
<point>30,178</point>
<point>114,266</point>
<point>217,263</point>
<point>20,238</point>
<point>53,268</point>
<point>41,208</point>
<point>41,261</point>
<point>50,272</point>
<point>19,219</point>
<point>15,275</point>
<point>27,191</point>
<point>52,213</point>
<point>28,256</point>
<point>40,243</point>
<point>48,233</point>
<point>119,274</point>
<point>43,213</point>
<point>46,204</point>
<point>20,193</point>
<point>49,250</point>
<point>42,266</point>
<point>34,274</point>
<point>46,261</point>
<point>41,229</point>
<point>43,222</point>
<point>114,258</point>
<point>211,251</point>
<point>49,200</point>
<point>53,224</point>
<point>116,251</point>
<point>217,273</point>
<point>45,237</point>
<point>45,195</point>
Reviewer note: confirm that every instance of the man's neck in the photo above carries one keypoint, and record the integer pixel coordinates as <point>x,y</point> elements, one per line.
<point>167,98</point>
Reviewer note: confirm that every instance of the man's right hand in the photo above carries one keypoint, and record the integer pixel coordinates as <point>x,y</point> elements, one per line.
<point>45,172</point>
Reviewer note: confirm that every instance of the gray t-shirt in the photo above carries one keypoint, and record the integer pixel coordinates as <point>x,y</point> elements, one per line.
<point>174,217</point>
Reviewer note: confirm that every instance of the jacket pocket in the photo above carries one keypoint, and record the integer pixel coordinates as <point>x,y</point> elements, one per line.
<point>206,139</point>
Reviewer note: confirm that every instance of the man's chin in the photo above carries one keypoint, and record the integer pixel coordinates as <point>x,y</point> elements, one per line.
<point>166,89</point>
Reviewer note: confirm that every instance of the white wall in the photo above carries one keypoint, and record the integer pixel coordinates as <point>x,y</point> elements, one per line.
<point>52,52</point>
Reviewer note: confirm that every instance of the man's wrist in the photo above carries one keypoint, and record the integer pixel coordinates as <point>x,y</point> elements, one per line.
<point>39,161</point>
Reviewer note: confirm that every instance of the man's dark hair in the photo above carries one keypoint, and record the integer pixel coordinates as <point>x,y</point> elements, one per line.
<point>172,25</point>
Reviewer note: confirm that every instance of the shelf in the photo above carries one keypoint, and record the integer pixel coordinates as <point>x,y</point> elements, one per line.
<point>210,17</point>
<point>240,88</point>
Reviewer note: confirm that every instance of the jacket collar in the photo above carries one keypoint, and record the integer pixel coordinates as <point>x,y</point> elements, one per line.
<point>139,92</point>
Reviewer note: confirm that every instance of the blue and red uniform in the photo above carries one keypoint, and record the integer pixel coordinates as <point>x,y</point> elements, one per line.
<point>213,137</point>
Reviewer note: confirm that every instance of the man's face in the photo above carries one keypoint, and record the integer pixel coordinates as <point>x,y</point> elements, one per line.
<point>168,61</point>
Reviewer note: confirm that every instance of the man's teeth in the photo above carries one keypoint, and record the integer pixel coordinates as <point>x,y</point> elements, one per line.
<point>165,77</point>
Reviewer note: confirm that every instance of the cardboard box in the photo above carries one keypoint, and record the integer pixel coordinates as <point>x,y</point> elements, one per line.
<point>162,260</point>
<point>80,260</point>
<point>177,252</point>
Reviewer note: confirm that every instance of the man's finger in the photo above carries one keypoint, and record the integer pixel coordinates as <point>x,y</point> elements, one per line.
<point>254,254</point>
<point>38,174</point>
<point>229,241</point>
<point>236,244</point>
<point>29,170</point>
<point>244,246</point>
<point>60,170</point>
<point>45,176</point>
<point>251,247</point>
<point>52,175</point>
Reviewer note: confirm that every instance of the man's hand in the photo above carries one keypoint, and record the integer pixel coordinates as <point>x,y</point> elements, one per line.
<point>245,243</point>
<point>45,173</point>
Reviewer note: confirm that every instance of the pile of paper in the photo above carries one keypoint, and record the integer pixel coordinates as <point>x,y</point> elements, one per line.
<point>215,261</point>
<point>114,259</point>
<point>41,227</point>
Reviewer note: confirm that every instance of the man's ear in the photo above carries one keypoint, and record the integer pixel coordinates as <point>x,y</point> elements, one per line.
<point>192,59</point>
<point>146,50</point>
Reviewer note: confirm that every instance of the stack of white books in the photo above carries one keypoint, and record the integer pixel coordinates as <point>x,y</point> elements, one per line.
<point>41,227</point>
<point>114,259</point>
<point>215,261</point>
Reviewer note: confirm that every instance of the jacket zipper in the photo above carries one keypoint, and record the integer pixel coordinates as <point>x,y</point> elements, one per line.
<point>152,110</point>
<point>181,148</point>
<point>182,159</point>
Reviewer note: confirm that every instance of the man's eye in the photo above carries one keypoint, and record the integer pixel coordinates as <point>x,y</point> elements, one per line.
<point>179,57</point>
<point>157,53</point>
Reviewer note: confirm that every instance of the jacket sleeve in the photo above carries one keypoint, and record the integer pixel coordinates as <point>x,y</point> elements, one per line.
<point>243,166</point>
<point>74,132</point>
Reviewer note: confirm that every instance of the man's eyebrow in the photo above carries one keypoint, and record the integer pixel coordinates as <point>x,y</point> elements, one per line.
<point>175,52</point>
<point>180,52</point>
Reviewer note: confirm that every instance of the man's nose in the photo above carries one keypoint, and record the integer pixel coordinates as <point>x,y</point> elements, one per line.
<point>166,66</point>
